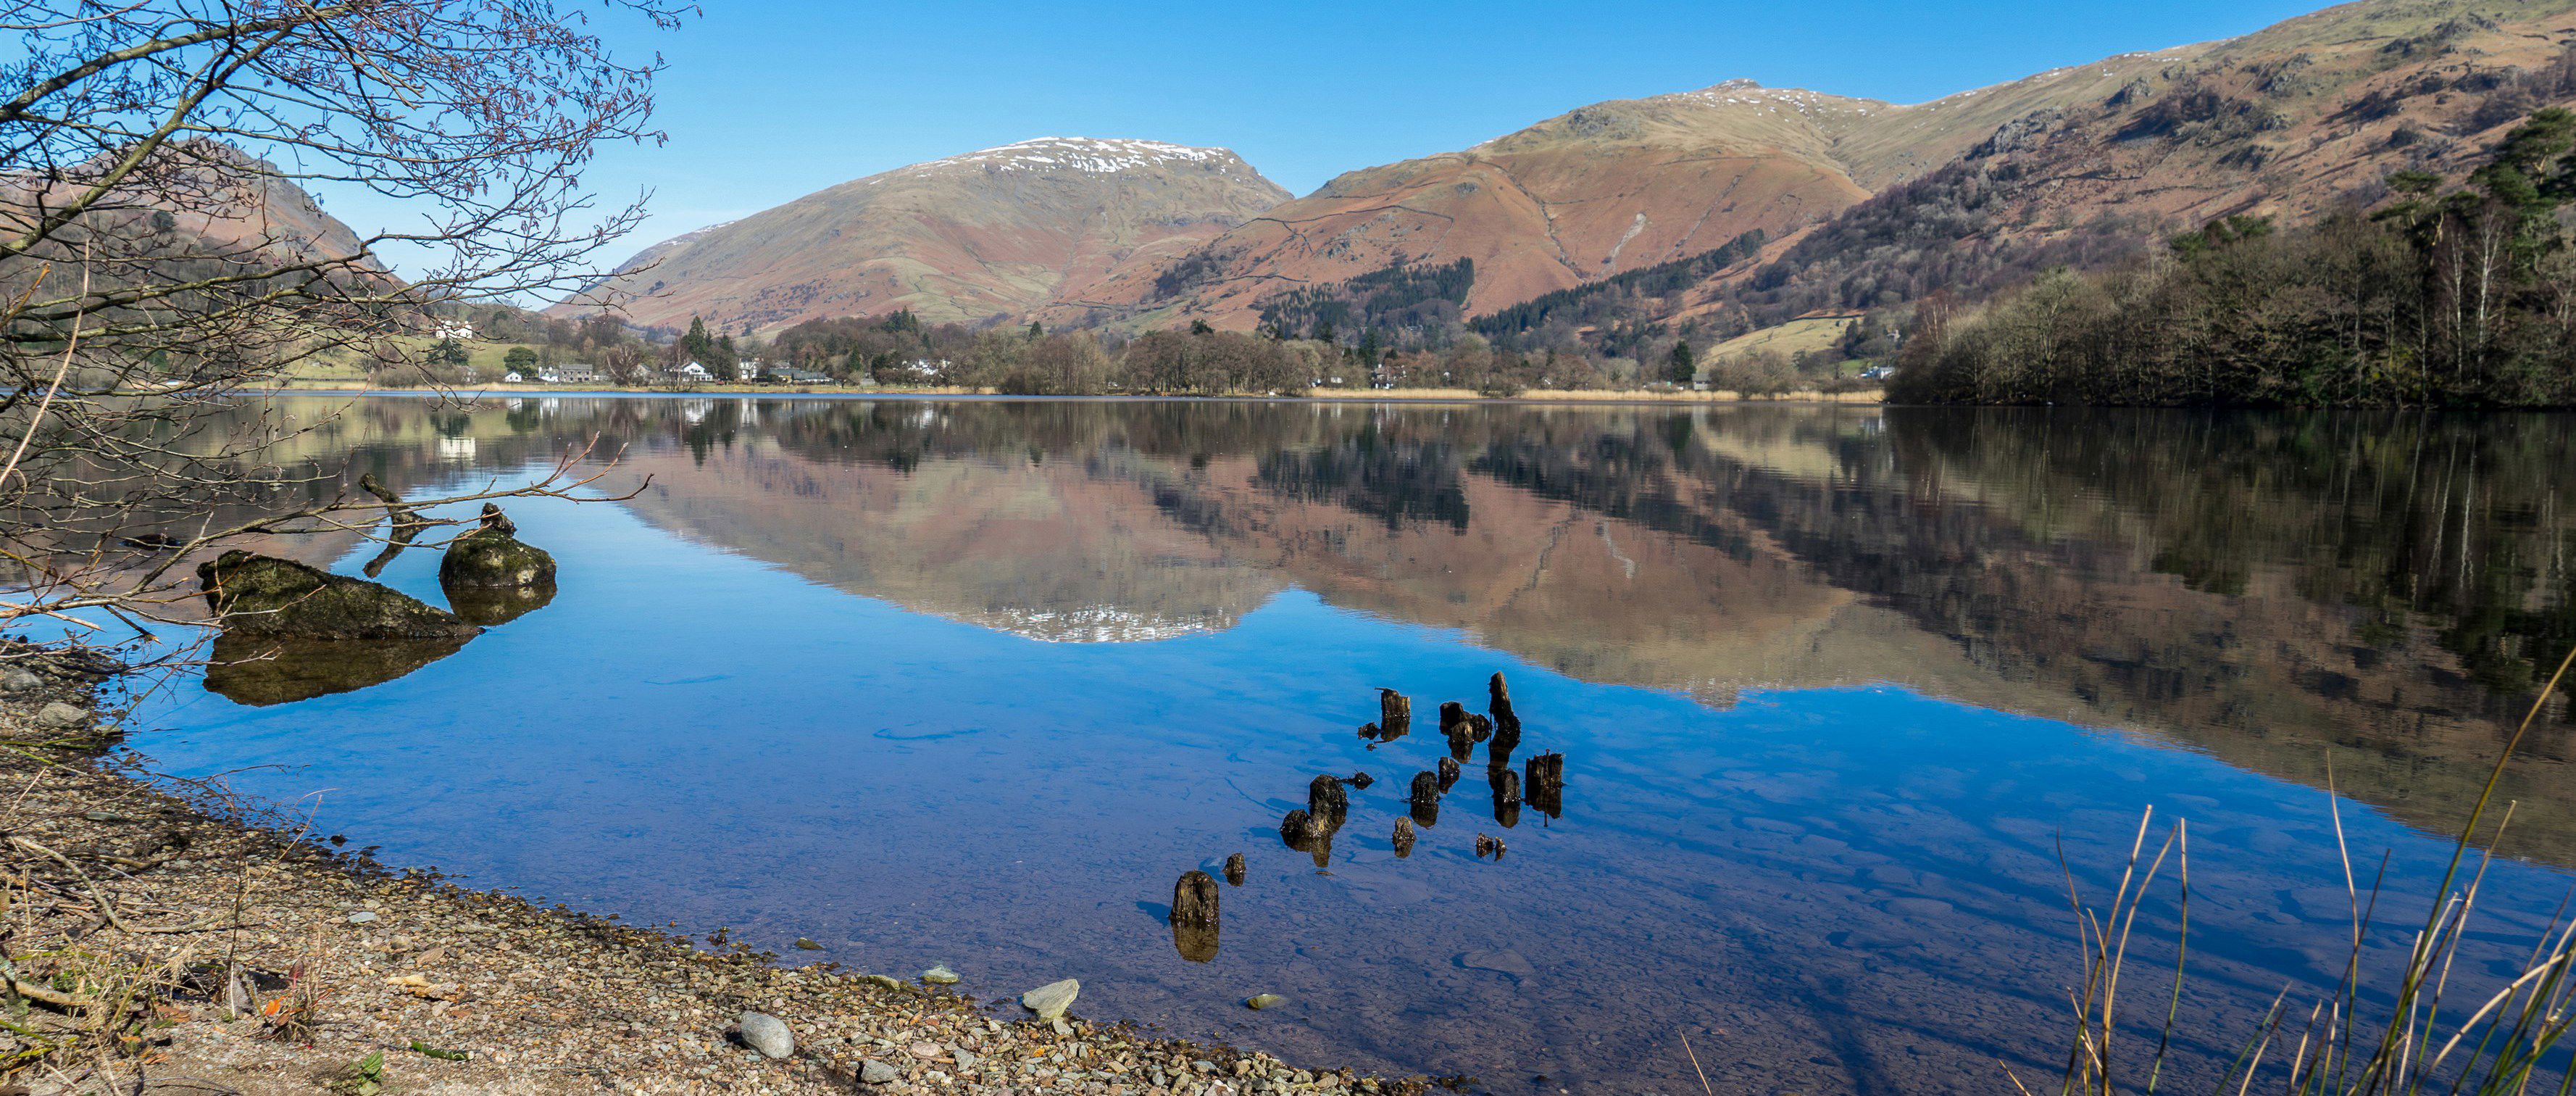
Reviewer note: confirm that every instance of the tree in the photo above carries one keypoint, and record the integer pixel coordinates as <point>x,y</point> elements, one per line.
<point>449,353</point>
<point>520,359</point>
<point>1036,332</point>
<point>1680,365</point>
<point>158,152</point>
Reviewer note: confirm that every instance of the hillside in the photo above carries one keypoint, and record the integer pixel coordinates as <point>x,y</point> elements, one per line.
<point>1006,232</point>
<point>1867,204</point>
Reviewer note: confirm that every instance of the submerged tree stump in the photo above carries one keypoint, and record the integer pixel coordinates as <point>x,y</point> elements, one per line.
<point>1507,795</point>
<point>1449,770</point>
<point>1425,804</point>
<point>1194,899</point>
<point>1326,803</point>
<point>1507,723</point>
<point>1234,870</point>
<point>1394,715</point>
<point>1546,789</point>
<point>1296,830</point>
<point>1403,837</point>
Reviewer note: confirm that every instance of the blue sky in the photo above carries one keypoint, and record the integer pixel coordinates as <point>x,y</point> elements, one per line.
<point>766,100</point>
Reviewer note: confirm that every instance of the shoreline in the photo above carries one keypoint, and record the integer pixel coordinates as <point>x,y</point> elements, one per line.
<point>1869,397</point>
<point>137,899</point>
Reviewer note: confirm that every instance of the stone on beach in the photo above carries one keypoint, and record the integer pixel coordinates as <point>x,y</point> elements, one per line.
<point>767,1034</point>
<point>875,1072</point>
<point>19,679</point>
<point>1049,1001</point>
<point>59,716</point>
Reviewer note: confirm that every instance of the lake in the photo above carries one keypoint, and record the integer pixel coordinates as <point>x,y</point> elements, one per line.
<point>1835,688</point>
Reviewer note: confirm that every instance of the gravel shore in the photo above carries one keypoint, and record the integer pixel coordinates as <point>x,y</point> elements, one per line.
<point>160,939</point>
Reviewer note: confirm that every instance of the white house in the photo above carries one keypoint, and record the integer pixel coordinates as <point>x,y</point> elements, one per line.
<point>512,377</point>
<point>455,329</point>
<point>691,372</point>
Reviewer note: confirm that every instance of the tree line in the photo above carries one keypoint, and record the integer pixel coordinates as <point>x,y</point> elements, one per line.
<point>2457,296</point>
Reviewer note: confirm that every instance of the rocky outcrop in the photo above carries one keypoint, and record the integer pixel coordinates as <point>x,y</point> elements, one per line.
<point>267,597</point>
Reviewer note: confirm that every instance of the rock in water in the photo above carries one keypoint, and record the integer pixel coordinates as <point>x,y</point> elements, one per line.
<point>1479,727</point>
<point>1362,781</point>
<point>1260,1001</point>
<point>1326,803</point>
<point>489,559</point>
<point>1234,870</point>
<point>1453,715</point>
<point>1049,1001</point>
<point>940,976</point>
<point>1488,846</point>
<point>767,1034</point>
<point>1403,837</point>
<point>1194,899</point>
<point>1394,715</point>
<point>267,597</point>
<point>1449,770</point>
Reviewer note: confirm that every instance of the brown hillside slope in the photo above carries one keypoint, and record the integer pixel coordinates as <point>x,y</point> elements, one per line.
<point>2288,120</point>
<point>998,233</point>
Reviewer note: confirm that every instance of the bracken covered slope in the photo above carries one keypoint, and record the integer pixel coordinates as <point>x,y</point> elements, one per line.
<point>1002,233</point>
<point>1860,196</point>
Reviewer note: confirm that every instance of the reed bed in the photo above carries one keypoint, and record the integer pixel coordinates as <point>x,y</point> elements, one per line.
<point>2374,1033</point>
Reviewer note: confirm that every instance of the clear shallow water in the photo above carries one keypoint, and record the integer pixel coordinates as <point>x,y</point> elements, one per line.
<point>972,682</point>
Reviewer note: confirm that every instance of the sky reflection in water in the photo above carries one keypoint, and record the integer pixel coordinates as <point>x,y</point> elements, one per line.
<point>834,677</point>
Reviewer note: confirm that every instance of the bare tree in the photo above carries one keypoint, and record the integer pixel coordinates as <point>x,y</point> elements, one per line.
<point>162,255</point>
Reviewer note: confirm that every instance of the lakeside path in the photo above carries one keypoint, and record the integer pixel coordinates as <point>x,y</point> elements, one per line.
<point>129,902</point>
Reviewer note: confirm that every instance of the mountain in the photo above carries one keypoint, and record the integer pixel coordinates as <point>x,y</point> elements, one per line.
<point>1864,204</point>
<point>1610,188</point>
<point>1006,232</point>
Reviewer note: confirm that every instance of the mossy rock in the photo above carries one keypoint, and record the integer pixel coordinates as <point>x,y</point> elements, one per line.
<point>260,672</point>
<point>489,559</point>
<point>266,597</point>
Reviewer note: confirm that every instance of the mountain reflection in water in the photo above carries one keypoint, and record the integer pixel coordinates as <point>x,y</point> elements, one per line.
<point>2255,588</point>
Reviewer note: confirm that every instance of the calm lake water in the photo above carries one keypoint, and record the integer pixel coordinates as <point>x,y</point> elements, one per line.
<point>971,682</point>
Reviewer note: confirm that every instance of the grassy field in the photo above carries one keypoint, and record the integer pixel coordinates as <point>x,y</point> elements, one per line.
<point>1785,340</point>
